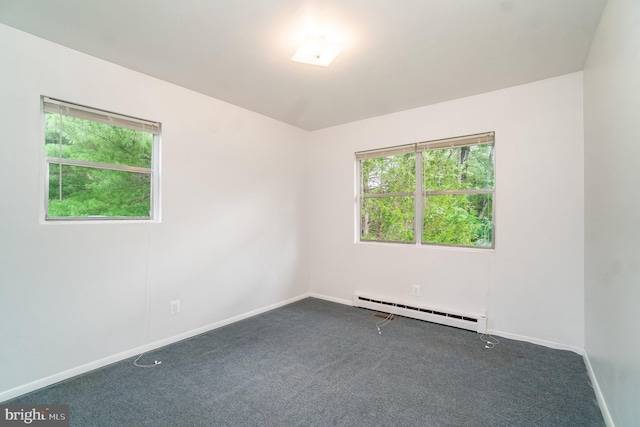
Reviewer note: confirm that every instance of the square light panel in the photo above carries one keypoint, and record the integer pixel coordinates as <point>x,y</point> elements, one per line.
<point>317,50</point>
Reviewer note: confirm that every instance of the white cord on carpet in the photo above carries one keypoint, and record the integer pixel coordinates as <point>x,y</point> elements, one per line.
<point>155,363</point>
<point>491,342</point>
<point>384,322</point>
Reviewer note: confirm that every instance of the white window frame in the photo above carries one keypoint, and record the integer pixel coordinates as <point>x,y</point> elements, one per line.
<point>56,106</point>
<point>419,194</point>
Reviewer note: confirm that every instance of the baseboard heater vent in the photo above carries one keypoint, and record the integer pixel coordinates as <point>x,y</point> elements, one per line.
<point>463,321</point>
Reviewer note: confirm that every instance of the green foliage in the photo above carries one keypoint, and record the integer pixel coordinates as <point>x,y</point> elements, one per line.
<point>462,168</point>
<point>393,174</point>
<point>454,220</point>
<point>450,219</point>
<point>95,191</point>
<point>388,218</point>
<point>458,219</point>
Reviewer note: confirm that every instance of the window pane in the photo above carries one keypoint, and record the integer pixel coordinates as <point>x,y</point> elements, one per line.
<point>98,192</point>
<point>461,168</point>
<point>459,219</point>
<point>393,174</point>
<point>97,142</point>
<point>387,219</point>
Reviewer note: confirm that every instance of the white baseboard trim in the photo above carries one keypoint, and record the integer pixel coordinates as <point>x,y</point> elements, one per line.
<point>606,415</point>
<point>538,341</point>
<point>332,299</point>
<point>82,369</point>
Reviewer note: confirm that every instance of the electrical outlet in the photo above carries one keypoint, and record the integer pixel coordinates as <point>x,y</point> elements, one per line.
<point>415,290</point>
<point>175,306</point>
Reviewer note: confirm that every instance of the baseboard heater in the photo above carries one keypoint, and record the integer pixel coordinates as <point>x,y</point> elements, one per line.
<point>463,321</point>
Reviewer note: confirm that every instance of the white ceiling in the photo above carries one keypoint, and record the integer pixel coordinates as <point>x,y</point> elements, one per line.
<point>400,54</point>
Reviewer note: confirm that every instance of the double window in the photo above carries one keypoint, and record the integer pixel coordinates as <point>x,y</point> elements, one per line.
<point>437,192</point>
<point>99,165</point>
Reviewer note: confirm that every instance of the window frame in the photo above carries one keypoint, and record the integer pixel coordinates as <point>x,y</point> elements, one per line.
<point>420,195</point>
<point>69,109</point>
<point>392,151</point>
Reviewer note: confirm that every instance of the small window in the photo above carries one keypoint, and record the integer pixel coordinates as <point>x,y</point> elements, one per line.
<point>99,165</point>
<point>437,192</point>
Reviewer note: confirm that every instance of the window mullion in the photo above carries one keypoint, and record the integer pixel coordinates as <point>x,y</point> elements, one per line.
<point>381,195</point>
<point>453,192</point>
<point>417,228</point>
<point>359,201</point>
<point>60,156</point>
<point>97,165</point>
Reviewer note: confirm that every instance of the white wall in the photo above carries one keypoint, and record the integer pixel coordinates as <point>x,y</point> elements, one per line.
<point>612,207</point>
<point>532,284</point>
<point>232,238</point>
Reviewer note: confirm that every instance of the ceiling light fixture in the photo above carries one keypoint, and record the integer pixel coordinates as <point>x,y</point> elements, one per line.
<point>317,50</point>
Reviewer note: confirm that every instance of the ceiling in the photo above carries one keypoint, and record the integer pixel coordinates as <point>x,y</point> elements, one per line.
<point>399,54</point>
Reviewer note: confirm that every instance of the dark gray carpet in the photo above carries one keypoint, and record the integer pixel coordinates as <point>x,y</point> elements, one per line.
<point>317,363</point>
